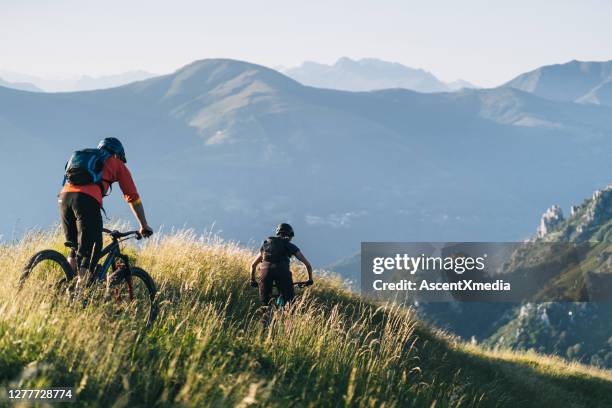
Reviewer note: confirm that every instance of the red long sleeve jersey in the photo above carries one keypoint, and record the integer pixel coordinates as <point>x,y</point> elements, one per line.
<point>114,171</point>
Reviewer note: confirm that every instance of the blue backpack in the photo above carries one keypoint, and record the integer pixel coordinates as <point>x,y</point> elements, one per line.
<point>85,167</point>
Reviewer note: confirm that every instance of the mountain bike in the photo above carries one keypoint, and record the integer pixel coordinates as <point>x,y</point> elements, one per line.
<point>126,284</point>
<point>277,304</point>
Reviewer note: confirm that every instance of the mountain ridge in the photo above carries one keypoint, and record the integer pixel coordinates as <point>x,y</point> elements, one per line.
<point>573,81</point>
<point>21,86</point>
<point>262,148</point>
<point>79,83</point>
<point>575,328</point>
<point>368,74</point>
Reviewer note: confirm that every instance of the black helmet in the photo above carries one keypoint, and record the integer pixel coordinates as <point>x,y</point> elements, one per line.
<point>114,146</point>
<point>284,230</point>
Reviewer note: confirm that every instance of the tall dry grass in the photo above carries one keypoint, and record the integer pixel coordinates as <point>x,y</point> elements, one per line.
<point>208,348</point>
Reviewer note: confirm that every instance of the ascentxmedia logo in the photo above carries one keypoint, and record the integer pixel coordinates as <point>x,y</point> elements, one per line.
<point>484,271</point>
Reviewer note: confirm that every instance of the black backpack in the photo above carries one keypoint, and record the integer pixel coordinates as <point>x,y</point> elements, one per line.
<point>275,250</point>
<point>85,167</point>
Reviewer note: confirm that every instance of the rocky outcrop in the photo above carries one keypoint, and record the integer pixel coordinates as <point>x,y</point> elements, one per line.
<point>584,219</point>
<point>574,210</point>
<point>597,211</point>
<point>550,220</point>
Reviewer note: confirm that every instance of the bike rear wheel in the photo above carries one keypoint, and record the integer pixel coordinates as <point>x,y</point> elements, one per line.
<point>138,294</point>
<point>46,269</point>
<point>269,312</point>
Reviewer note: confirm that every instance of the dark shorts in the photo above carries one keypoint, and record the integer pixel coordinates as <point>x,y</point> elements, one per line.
<point>82,225</point>
<point>275,273</point>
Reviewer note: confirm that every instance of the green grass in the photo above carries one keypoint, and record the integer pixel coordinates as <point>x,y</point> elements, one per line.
<point>207,347</point>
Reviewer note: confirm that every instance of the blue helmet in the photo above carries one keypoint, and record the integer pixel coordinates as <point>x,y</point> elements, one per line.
<point>114,146</point>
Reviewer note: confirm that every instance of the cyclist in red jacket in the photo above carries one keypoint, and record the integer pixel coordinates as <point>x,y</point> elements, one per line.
<point>80,208</point>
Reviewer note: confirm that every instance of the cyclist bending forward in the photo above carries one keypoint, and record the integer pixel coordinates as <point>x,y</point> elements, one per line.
<point>274,257</point>
<point>80,208</point>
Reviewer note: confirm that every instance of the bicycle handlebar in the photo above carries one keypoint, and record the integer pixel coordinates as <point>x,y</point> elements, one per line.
<point>118,235</point>
<point>302,284</point>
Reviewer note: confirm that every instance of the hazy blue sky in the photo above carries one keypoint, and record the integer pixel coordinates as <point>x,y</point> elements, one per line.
<point>471,39</point>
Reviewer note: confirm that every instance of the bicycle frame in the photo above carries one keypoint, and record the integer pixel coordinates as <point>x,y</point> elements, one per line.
<point>112,252</point>
<point>278,299</point>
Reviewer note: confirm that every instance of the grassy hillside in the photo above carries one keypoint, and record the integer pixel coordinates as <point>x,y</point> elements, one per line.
<point>207,347</point>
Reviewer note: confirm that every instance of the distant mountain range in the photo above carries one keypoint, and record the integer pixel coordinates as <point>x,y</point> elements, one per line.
<point>369,74</point>
<point>575,81</point>
<point>244,147</point>
<point>22,86</point>
<point>82,83</point>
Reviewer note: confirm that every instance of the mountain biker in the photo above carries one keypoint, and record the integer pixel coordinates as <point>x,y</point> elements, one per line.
<point>274,257</point>
<point>80,208</point>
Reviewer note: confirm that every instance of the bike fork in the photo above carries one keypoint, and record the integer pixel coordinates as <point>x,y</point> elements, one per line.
<point>129,285</point>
